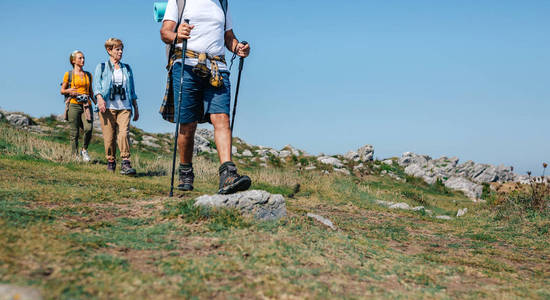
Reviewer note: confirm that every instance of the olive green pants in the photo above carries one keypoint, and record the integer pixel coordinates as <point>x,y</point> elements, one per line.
<point>77,120</point>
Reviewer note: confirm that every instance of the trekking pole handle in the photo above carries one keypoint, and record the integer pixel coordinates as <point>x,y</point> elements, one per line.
<point>241,59</point>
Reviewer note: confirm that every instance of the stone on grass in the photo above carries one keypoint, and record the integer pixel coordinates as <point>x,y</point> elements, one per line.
<point>322,220</point>
<point>10,292</point>
<point>461,212</point>
<point>343,171</point>
<point>247,153</point>
<point>260,204</point>
<point>443,218</point>
<point>19,120</point>
<point>401,205</point>
<point>328,160</point>
<point>384,203</point>
<point>470,189</point>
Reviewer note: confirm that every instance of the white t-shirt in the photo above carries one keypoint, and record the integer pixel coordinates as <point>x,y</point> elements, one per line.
<point>118,104</point>
<point>208,34</point>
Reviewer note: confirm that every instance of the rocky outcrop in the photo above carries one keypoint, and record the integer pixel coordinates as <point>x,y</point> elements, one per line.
<point>466,177</point>
<point>470,189</point>
<point>18,120</point>
<point>365,153</point>
<point>259,204</point>
<point>329,160</point>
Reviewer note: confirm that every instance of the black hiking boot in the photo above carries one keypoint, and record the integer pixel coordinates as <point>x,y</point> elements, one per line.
<point>186,178</point>
<point>230,181</point>
<point>126,168</point>
<point>111,166</point>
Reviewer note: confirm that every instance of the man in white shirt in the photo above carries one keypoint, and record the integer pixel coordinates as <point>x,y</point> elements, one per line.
<point>206,88</point>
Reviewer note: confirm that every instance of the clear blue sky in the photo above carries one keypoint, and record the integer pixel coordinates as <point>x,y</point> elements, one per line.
<point>459,78</point>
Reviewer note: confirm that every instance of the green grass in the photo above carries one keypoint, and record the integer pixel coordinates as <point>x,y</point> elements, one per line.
<point>76,232</point>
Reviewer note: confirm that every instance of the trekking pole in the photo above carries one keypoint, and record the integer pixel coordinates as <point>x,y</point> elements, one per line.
<point>241,63</point>
<point>177,110</point>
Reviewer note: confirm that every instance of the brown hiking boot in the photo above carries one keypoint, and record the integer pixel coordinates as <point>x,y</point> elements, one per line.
<point>230,181</point>
<point>186,178</point>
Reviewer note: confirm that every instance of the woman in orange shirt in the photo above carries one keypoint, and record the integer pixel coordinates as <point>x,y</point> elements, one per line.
<point>77,88</point>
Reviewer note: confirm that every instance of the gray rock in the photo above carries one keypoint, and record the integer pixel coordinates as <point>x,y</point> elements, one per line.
<point>401,205</point>
<point>409,158</point>
<point>461,212</point>
<point>384,203</point>
<point>366,153</point>
<point>247,153</point>
<point>309,168</point>
<point>19,120</point>
<point>205,133</point>
<point>284,154</point>
<point>260,204</point>
<point>388,162</point>
<point>443,218</point>
<point>343,171</point>
<point>470,189</point>
<point>328,160</point>
<point>293,151</point>
<point>352,155</point>
<point>322,220</point>
<point>415,170</point>
<point>150,141</point>
<point>11,292</point>
<point>234,150</point>
<point>358,167</point>
<point>418,208</point>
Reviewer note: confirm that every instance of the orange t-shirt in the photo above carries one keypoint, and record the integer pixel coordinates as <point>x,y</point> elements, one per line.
<point>80,83</point>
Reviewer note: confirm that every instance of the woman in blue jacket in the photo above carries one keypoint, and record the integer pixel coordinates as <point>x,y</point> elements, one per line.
<point>116,97</point>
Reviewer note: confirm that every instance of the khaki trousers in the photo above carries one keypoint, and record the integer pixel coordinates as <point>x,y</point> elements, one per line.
<point>116,128</point>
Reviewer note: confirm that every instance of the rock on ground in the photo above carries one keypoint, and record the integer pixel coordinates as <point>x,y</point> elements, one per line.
<point>260,204</point>
<point>322,220</point>
<point>19,120</point>
<point>461,212</point>
<point>470,189</point>
<point>328,160</point>
<point>11,292</point>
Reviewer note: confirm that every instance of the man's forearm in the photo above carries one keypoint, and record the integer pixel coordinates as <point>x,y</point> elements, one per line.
<point>168,37</point>
<point>231,41</point>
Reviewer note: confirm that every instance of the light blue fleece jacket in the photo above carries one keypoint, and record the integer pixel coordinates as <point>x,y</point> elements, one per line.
<point>103,80</point>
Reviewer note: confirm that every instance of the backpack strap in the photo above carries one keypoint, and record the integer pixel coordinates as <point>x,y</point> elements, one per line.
<point>127,66</point>
<point>102,68</point>
<point>170,47</point>
<point>223,3</point>
<point>70,78</point>
<point>90,83</point>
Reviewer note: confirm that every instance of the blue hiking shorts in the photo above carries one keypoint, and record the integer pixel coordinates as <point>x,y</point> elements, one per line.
<point>200,99</point>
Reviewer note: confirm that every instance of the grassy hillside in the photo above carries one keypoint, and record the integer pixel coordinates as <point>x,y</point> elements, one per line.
<point>77,232</point>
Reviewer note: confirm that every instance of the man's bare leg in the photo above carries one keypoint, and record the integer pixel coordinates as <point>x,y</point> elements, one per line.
<point>186,142</point>
<point>230,181</point>
<point>222,136</point>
